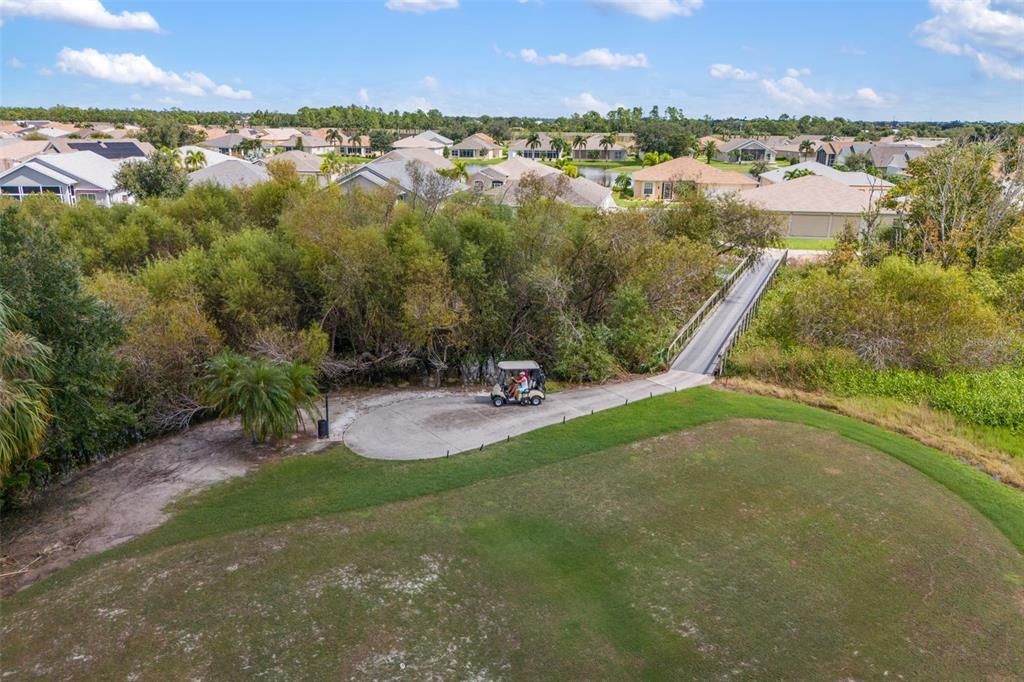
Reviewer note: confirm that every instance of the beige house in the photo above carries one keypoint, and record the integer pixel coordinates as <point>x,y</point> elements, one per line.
<point>815,206</point>
<point>659,183</point>
<point>477,146</point>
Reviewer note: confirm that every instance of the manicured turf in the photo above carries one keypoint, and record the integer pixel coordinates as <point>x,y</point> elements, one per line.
<point>612,547</point>
<point>808,244</point>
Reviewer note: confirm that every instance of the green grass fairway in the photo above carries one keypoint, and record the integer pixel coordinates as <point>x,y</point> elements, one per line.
<point>808,244</point>
<point>698,535</point>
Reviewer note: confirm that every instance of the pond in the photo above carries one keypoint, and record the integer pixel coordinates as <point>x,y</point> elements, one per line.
<point>602,176</point>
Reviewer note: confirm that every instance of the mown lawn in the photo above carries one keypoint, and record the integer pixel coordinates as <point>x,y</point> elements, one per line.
<point>808,244</point>
<point>696,535</point>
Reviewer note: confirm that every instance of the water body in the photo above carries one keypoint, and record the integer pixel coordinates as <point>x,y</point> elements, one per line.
<point>602,176</point>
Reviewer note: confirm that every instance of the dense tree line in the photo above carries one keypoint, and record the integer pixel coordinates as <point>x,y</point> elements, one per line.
<point>659,129</point>
<point>149,316</point>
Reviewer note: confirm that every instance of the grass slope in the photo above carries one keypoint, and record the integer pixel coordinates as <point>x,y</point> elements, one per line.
<point>742,548</point>
<point>338,481</point>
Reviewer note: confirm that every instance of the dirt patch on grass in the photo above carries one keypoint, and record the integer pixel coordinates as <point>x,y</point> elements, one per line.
<point>119,498</point>
<point>124,496</point>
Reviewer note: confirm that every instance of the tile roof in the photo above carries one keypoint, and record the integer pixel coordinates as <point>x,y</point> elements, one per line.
<point>850,178</point>
<point>231,173</point>
<point>810,194</point>
<point>687,169</point>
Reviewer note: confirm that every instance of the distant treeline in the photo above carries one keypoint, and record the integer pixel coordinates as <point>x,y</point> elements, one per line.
<point>622,119</point>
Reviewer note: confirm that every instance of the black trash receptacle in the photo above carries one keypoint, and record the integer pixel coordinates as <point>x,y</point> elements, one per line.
<point>321,429</point>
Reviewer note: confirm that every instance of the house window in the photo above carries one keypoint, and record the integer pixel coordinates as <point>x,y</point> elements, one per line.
<point>86,196</point>
<point>30,190</point>
<point>9,189</point>
<point>478,185</point>
<point>648,189</point>
<point>495,183</point>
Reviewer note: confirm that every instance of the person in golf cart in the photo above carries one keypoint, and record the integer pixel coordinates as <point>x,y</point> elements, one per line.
<point>519,381</point>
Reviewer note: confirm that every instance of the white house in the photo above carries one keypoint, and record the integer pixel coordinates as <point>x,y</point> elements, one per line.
<point>75,177</point>
<point>428,139</point>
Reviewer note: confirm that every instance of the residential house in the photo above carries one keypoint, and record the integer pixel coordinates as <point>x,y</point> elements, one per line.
<point>15,150</point>
<point>895,158</point>
<point>272,135</point>
<point>50,131</point>
<point>428,139</point>
<point>477,146</point>
<point>306,143</point>
<point>211,157</point>
<point>659,183</point>
<point>490,177</point>
<point>230,173</point>
<point>578,192</point>
<point>74,176</point>
<point>356,145</point>
<point>398,169</point>
<point>227,143</point>
<point>307,165</point>
<point>745,150</point>
<point>815,206</point>
<point>789,147</point>
<point>828,151</point>
<point>856,179</point>
<point>542,150</point>
<point>594,150</point>
<point>108,149</point>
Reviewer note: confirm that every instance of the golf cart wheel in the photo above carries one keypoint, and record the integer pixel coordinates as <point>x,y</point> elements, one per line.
<point>535,400</point>
<point>498,401</point>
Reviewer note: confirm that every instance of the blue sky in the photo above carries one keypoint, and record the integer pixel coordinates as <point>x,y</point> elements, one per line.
<point>937,59</point>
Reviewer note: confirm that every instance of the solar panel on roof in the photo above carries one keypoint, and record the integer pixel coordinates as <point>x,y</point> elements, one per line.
<point>109,150</point>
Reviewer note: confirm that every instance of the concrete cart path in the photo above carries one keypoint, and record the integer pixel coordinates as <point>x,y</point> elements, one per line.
<point>434,425</point>
<point>699,356</point>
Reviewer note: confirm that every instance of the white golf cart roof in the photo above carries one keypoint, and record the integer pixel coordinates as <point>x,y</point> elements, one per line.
<point>513,365</point>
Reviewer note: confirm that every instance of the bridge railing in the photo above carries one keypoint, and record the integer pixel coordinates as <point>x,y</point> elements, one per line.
<point>687,331</point>
<point>748,315</point>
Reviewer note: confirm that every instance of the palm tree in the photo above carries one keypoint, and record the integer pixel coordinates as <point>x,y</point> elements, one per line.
<point>171,154</point>
<point>334,137</point>
<point>331,164</point>
<point>23,396</point>
<point>579,142</point>
<point>267,396</point>
<point>458,172</point>
<point>607,142</point>
<point>708,150</point>
<point>194,160</point>
<point>806,149</point>
<point>797,173</point>
<point>249,146</point>
<point>533,141</point>
<point>559,144</point>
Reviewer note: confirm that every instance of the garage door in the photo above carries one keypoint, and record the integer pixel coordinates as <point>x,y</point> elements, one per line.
<point>810,225</point>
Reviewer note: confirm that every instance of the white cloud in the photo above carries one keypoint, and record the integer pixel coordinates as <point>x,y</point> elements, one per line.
<point>728,72</point>
<point>169,101</point>
<point>989,32</point>
<point>598,57</point>
<point>420,6</point>
<point>869,96</point>
<point>136,69</point>
<point>995,67</point>
<point>429,83</point>
<point>14,63</point>
<point>852,50</point>
<point>45,71</point>
<point>797,73</point>
<point>792,92</point>
<point>653,10</point>
<point>363,96</point>
<point>135,97</point>
<point>584,102</point>
<point>90,13</point>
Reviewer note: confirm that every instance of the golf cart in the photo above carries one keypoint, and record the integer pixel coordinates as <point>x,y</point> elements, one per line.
<point>507,391</point>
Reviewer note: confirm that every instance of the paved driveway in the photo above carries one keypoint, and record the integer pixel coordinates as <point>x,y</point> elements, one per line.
<point>437,424</point>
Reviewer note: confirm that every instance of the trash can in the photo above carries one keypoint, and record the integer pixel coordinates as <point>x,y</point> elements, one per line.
<point>321,429</point>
